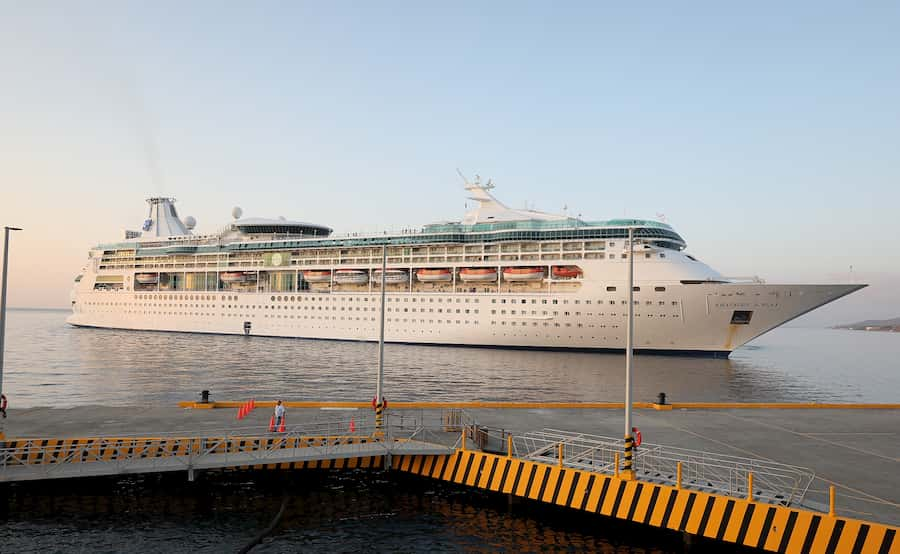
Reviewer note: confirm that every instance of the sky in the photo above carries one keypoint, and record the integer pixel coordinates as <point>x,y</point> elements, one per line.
<point>766,133</point>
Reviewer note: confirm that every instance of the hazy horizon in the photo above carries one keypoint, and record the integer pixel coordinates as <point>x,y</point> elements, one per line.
<point>766,133</point>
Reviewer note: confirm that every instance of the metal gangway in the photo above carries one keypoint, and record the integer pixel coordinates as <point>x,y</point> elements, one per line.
<point>772,482</point>
<point>237,447</point>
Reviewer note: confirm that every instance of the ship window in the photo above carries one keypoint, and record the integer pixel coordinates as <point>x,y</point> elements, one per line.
<point>662,254</point>
<point>741,317</point>
<point>610,289</point>
<point>636,289</point>
<point>659,289</point>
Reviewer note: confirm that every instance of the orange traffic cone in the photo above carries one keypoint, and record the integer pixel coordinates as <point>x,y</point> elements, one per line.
<point>252,404</point>
<point>352,425</point>
<point>281,427</point>
<point>272,424</point>
<point>240,412</point>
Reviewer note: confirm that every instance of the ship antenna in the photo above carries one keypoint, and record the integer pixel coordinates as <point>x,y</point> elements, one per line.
<point>463,177</point>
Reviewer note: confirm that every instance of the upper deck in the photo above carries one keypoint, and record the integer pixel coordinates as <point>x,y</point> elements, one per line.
<point>659,233</point>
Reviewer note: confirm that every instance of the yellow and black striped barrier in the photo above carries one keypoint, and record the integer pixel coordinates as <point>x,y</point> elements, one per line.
<point>739,521</point>
<point>93,449</point>
<point>473,405</point>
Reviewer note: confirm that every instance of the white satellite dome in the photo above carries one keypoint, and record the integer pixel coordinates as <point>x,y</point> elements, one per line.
<point>190,222</point>
<point>237,212</point>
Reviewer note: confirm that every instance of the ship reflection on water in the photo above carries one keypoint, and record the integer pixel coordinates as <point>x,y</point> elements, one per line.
<point>50,363</point>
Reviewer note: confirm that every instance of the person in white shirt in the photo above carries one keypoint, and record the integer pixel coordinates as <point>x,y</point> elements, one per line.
<point>279,413</point>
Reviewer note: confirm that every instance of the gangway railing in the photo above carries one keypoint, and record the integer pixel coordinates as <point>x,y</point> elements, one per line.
<point>235,446</point>
<point>773,482</point>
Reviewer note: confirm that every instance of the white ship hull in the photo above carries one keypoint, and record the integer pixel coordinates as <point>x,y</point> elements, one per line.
<point>692,318</point>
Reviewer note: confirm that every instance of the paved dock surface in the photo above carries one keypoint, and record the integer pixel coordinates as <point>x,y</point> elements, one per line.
<point>856,450</point>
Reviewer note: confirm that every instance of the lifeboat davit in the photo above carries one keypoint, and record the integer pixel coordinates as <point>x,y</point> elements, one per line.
<point>565,271</point>
<point>351,277</point>
<point>146,278</point>
<point>391,276</point>
<point>233,277</point>
<point>314,276</point>
<point>523,273</point>
<point>432,275</point>
<point>478,274</point>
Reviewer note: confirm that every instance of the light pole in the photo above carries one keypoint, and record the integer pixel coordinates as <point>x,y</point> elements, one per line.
<point>6,231</point>
<point>628,470</point>
<point>379,399</point>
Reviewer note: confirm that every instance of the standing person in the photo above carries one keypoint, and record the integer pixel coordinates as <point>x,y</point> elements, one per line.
<point>279,414</point>
<point>3,405</point>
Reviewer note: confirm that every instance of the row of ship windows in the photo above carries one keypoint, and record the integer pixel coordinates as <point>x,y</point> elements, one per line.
<point>340,298</point>
<point>357,308</point>
<point>298,298</point>
<point>395,320</point>
<point>599,303</point>
<point>493,312</point>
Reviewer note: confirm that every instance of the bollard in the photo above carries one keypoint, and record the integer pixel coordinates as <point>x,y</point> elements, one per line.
<point>831,500</point>
<point>509,445</point>
<point>616,470</point>
<point>749,485</point>
<point>661,399</point>
<point>561,446</point>
<point>678,476</point>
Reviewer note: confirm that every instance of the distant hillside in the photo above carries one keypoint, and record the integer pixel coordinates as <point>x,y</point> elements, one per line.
<point>873,325</point>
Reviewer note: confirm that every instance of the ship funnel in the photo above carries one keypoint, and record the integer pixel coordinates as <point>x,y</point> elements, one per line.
<point>163,220</point>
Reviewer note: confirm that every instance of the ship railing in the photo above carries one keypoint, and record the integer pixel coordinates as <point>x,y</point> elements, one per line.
<point>773,482</point>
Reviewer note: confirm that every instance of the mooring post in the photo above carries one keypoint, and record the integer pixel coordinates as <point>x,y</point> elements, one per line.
<point>616,463</point>
<point>678,476</point>
<point>509,445</point>
<point>831,500</point>
<point>561,447</point>
<point>750,485</point>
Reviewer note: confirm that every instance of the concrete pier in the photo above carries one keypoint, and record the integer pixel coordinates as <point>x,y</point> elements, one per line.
<point>857,451</point>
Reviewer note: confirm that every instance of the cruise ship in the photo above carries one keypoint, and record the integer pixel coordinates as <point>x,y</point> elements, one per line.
<point>500,277</point>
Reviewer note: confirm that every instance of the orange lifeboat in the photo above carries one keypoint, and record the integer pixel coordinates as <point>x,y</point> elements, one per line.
<point>478,274</point>
<point>432,275</point>
<point>314,276</point>
<point>523,273</point>
<point>565,271</point>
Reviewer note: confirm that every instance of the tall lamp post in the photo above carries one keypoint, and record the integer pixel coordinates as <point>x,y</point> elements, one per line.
<point>379,398</point>
<point>628,469</point>
<point>6,231</point>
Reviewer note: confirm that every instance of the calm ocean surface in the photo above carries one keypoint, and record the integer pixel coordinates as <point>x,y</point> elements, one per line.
<point>49,363</point>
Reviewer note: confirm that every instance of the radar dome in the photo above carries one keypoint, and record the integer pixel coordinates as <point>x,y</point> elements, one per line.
<point>190,222</point>
<point>236,212</point>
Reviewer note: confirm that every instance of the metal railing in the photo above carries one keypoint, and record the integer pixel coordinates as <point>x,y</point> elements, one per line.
<point>715,473</point>
<point>333,438</point>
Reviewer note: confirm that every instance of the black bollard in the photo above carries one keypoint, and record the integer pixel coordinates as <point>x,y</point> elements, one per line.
<point>204,397</point>
<point>662,399</point>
